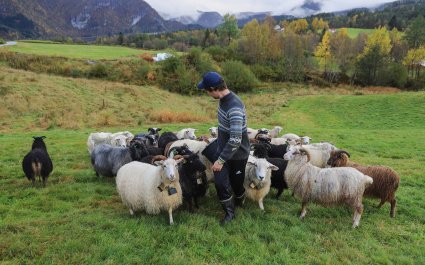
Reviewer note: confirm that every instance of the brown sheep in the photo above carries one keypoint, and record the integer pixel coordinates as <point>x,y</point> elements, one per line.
<point>385,179</point>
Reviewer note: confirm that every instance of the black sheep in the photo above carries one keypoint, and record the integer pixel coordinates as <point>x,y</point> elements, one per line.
<point>37,162</point>
<point>193,179</point>
<point>166,138</point>
<point>278,176</point>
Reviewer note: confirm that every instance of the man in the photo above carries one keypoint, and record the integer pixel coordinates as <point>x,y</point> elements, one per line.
<point>232,143</point>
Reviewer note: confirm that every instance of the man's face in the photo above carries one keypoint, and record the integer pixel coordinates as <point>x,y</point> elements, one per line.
<point>213,93</point>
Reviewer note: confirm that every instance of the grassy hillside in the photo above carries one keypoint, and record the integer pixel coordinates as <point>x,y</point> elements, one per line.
<point>79,218</point>
<point>92,52</point>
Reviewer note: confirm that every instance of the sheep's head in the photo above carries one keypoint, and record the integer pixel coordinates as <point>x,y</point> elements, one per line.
<point>262,168</point>
<point>38,142</point>
<point>189,134</point>
<point>154,131</point>
<point>194,162</point>
<point>213,132</point>
<point>169,168</point>
<point>305,140</point>
<point>119,140</point>
<point>338,158</point>
<point>293,151</point>
<point>138,149</point>
<point>260,150</point>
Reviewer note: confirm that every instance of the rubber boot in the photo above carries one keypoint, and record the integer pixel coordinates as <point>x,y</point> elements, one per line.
<point>229,209</point>
<point>239,201</point>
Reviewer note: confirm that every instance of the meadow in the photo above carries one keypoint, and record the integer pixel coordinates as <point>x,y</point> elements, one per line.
<point>79,218</point>
<point>353,32</point>
<point>75,51</point>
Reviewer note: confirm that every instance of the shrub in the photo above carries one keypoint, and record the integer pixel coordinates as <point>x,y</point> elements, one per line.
<point>218,53</point>
<point>202,62</point>
<point>98,71</point>
<point>394,75</point>
<point>238,76</point>
<point>2,41</point>
<point>175,76</point>
<point>264,72</point>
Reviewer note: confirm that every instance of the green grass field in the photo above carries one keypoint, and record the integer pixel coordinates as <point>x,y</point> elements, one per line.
<point>79,218</point>
<point>353,32</point>
<point>75,51</point>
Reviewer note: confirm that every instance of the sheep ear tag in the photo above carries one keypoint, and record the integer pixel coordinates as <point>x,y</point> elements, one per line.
<point>171,191</point>
<point>199,181</point>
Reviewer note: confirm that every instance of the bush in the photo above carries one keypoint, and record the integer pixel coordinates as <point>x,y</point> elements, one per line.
<point>416,84</point>
<point>219,54</point>
<point>202,62</point>
<point>264,72</point>
<point>98,71</point>
<point>175,76</point>
<point>2,41</point>
<point>238,76</point>
<point>394,75</point>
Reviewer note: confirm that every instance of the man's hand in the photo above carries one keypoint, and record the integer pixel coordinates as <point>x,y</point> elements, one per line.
<point>217,166</point>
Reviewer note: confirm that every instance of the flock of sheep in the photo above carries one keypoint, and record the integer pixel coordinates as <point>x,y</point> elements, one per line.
<point>159,172</point>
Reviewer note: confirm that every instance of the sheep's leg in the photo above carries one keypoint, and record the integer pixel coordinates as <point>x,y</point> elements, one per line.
<point>170,215</point>
<point>260,203</point>
<point>279,192</point>
<point>381,203</point>
<point>131,211</point>
<point>303,209</point>
<point>357,215</point>
<point>33,182</point>
<point>189,202</point>
<point>196,202</point>
<point>393,207</point>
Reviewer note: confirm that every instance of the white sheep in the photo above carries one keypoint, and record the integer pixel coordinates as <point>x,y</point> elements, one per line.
<point>273,133</point>
<point>257,179</point>
<point>187,133</point>
<point>119,141</point>
<point>326,186</point>
<point>142,186</point>
<point>319,153</point>
<point>213,132</point>
<point>98,138</point>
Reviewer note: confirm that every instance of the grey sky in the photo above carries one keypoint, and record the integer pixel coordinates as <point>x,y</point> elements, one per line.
<point>189,7</point>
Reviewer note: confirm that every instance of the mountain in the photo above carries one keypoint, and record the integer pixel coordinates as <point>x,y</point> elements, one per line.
<point>79,18</point>
<point>209,19</point>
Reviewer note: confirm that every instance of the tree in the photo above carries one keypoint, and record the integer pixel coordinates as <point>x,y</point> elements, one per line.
<point>250,42</point>
<point>375,56</point>
<point>298,26</point>
<point>120,39</point>
<point>229,29</point>
<point>342,50</point>
<point>415,33</point>
<point>414,60</point>
<point>393,23</point>
<point>323,51</point>
<point>319,24</point>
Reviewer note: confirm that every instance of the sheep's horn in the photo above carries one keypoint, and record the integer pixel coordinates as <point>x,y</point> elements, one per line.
<point>307,153</point>
<point>176,157</point>
<point>157,158</point>
<point>344,152</point>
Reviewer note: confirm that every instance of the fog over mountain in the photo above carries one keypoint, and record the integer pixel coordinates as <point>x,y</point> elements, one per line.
<point>276,7</point>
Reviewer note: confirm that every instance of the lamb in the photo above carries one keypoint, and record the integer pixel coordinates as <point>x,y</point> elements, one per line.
<point>166,138</point>
<point>277,178</point>
<point>37,162</point>
<point>150,188</point>
<point>325,186</point>
<point>107,160</point>
<point>187,133</point>
<point>385,179</point>
<point>257,179</point>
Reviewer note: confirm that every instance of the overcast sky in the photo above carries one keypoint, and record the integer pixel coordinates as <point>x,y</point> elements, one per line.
<point>190,7</point>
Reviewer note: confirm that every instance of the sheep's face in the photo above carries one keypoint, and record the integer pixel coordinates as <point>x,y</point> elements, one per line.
<point>194,162</point>
<point>213,132</point>
<point>291,152</point>
<point>190,134</point>
<point>262,168</point>
<point>120,141</point>
<point>305,140</point>
<point>169,167</point>
<point>151,140</point>
<point>154,131</point>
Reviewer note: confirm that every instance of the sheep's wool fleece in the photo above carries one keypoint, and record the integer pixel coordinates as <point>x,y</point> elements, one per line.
<point>137,184</point>
<point>326,186</point>
<point>255,194</point>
